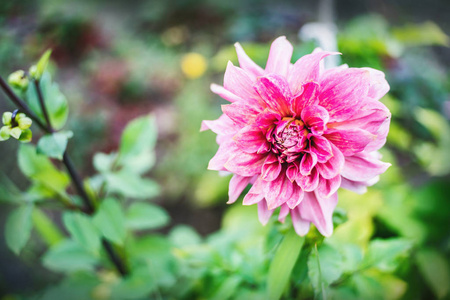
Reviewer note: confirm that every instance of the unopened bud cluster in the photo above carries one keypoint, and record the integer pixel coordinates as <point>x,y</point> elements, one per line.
<point>17,126</point>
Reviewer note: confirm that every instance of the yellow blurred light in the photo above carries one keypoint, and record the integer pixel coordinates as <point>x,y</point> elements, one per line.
<point>193,65</point>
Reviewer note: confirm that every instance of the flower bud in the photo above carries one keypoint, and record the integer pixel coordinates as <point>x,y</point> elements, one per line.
<point>18,79</point>
<point>6,119</point>
<point>24,123</point>
<point>4,133</point>
<point>26,136</point>
<point>20,116</point>
<point>15,132</point>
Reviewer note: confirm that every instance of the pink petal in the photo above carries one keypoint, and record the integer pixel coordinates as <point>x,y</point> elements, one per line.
<point>292,171</point>
<point>309,160</point>
<point>244,164</point>
<point>255,194</point>
<point>296,198</point>
<point>301,226</point>
<point>279,57</point>
<point>381,136</point>
<point>315,117</point>
<point>274,91</point>
<point>319,211</point>
<point>250,139</point>
<point>284,212</point>
<point>359,187</point>
<point>277,191</point>
<point>362,167</point>
<point>370,117</point>
<point>264,213</point>
<point>309,96</point>
<point>350,141</point>
<point>306,69</point>
<point>271,168</point>
<point>342,93</point>
<point>222,126</point>
<point>267,118</point>
<point>237,185</point>
<point>238,82</point>
<point>333,166</point>
<point>321,147</point>
<point>310,182</point>
<point>378,84</point>
<point>226,149</point>
<point>327,187</point>
<point>242,114</point>
<point>247,64</point>
<point>224,93</point>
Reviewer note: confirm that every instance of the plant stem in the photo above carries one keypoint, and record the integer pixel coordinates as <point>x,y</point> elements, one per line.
<point>115,258</point>
<point>76,179</point>
<point>42,103</point>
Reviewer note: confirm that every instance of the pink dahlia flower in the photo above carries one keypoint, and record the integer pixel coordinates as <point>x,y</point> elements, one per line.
<point>297,132</point>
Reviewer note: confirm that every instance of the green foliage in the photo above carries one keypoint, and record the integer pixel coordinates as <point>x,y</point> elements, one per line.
<point>146,216</point>
<point>131,185</point>
<point>54,145</point>
<point>110,221</point>
<point>435,270</point>
<point>82,230</point>
<point>138,140</point>
<point>55,101</point>
<point>69,256</point>
<point>283,263</point>
<point>383,254</point>
<point>39,69</point>
<point>40,170</point>
<point>324,267</point>
<point>18,227</point>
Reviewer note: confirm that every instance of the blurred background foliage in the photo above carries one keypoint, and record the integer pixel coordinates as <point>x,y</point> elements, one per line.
<point>118,60</point>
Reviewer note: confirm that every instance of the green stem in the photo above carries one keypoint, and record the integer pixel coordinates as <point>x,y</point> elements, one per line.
<point>42,104</point>
<point>283,263</point>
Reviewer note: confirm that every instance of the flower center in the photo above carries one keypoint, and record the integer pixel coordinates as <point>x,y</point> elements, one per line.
<point>288,138</point>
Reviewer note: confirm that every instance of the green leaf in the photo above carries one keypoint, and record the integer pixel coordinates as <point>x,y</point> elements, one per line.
<point>182,236</point>
<point>39,69</point>
<point>79,285</point>
<point>68,256</point>
<point>137,285</point>
<point>31,163</point>
<point>48,231</point>
<point>282,264</point>
<point>110,220</point>
<point>146,216</point>
<point>39,168</point>
<point>227,288</point>
<point>384,254</point>
<point>139,135</point>
<point>324,267</point>
<point>55,101</point>
<point>435,270</point>
<point>54,145</point>
<point>104,162</point>
<point>18,227</point>
<point>82,230</point>
<point>131,185</point>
